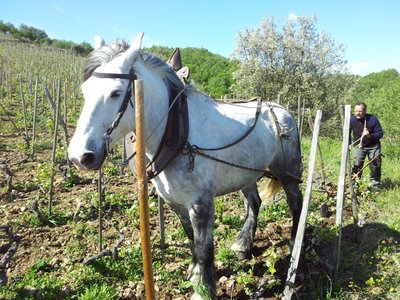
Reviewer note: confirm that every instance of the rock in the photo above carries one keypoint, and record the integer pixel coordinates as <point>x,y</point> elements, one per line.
<point>223,279</point>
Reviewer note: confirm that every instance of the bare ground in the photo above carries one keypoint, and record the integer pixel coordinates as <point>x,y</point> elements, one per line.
<point>53,242</point>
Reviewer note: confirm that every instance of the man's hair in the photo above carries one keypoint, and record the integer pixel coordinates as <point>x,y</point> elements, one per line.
<point>361,103</point>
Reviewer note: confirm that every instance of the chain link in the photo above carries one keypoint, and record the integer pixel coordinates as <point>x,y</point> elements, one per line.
<point>192,150</point>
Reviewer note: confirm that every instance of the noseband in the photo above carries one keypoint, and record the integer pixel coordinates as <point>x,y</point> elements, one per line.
<point>128,97</point>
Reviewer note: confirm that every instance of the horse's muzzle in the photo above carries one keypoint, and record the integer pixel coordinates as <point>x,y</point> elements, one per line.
<point>89,160</point>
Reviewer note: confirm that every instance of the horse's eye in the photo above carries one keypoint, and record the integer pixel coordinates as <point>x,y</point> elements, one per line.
<point>115,94</point>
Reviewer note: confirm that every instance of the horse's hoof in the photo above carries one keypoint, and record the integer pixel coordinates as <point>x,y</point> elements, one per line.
<point>240,252</point>
<point>241,255</point>
<point>193,272</point>
<point>196,297</point>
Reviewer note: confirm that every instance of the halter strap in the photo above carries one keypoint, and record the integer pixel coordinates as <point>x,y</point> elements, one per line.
<point>127,99</point>
<point>130,76</point>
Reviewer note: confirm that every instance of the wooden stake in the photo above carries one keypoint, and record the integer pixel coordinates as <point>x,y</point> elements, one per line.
<point>57,112</point>
<point>34,114</point>
<point>294,260</point>
<point>341,185</point>
<point>24,110</point>
<point>143,196</point>
<point>100,191</point>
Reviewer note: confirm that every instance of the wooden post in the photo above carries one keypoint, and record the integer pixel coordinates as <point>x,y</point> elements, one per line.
<point>34,115</point>
<point>24,110</point>
<point>53,166</point>
<point>353,196</point>
<point>341,185</point>
<point>294,261</point>
<point>143,193</point>
<point>298,112</point>
<point>311,125</point>
<point>100,191</point>
<point>161,221</point>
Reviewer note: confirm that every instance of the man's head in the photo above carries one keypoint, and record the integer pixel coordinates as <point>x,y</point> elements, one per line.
<point>360,109</point>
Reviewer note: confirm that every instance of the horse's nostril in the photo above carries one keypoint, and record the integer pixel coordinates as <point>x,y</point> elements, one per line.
<point>87,158</point>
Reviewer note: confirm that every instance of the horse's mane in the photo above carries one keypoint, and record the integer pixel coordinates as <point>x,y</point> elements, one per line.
<point>102,56</point>
<point>106,53</point>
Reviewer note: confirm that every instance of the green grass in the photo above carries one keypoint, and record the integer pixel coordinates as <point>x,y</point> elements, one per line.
<point>369,267</point>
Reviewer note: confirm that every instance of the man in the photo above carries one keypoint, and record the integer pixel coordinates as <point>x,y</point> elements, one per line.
<point>367,132</point>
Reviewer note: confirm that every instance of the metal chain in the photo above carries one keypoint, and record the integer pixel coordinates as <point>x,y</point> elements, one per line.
<point>192,150</point>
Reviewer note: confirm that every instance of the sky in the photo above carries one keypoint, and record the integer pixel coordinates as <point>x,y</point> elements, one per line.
<point>369,29</point>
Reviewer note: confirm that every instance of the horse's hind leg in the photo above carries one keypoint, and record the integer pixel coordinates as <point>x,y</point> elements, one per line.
<point>244,242</point>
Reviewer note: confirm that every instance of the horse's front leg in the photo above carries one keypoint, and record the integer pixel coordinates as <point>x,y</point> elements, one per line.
<point>244,242</point>
<point>201,214</point>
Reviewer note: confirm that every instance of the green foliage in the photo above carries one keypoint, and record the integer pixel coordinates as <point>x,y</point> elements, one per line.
<point>96,291</point>
<point>40,282</point>
<point>273,213</point>
<point>381,92</point>
<point>211,73</point>
<point>30,33</point>
<point>271,257</point>
<point>34,35</point>
<point>71,179</point>
<point>291,62</point>
<point>43,176</point>
<point>247,279</point>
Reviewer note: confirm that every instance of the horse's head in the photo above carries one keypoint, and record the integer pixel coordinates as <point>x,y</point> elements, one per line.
<point>104,93</point>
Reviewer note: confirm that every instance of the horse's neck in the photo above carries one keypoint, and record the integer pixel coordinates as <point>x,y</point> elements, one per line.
<point>156,110</point>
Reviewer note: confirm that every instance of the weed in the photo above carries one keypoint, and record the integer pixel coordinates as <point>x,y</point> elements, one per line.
<point>272,256</point>
<point>96,292</point>
<point>43,176</point>
<point>273,213</point>
<point>39,282</point>
<point>247,279</point>
<point>219,207</point>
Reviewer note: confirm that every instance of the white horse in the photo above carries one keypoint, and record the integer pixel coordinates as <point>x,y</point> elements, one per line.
<point>207,148</point>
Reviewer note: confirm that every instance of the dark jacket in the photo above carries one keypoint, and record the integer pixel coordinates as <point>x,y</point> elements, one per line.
<point>374,127</point>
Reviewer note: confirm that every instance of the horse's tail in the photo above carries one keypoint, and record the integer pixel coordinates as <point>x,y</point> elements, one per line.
<point>268,188</point>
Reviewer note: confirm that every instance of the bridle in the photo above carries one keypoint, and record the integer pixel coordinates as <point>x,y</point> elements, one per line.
<point>127,99</point>
<point>175,133</point>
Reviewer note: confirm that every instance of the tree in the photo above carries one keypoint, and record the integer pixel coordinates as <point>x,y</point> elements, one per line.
<point>296,61</point>
<point>212,73</point>
<point>381,92</point>
<point>30,33</point>
<point>7,28</point>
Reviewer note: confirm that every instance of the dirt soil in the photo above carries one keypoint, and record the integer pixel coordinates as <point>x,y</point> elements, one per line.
<point>52,242</point>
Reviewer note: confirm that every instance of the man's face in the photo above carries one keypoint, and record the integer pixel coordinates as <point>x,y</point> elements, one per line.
<point>359,111</point>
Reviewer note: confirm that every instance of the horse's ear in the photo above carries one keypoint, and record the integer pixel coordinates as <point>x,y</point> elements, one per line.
<point>183,74</point>
<point>98,42</point>
<point>175,60</point>
<point>133,51</point>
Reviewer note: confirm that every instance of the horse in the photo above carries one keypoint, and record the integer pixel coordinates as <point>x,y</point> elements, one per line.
<point>197,149</point>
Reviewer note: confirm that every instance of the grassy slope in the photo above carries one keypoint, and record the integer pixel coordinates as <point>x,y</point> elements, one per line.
<point>370,267</point>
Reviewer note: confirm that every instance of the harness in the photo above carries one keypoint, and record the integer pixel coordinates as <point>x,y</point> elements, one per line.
<point>175,138</point>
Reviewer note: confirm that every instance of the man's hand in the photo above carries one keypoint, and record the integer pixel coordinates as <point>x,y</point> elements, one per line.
<point>366,131</point>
